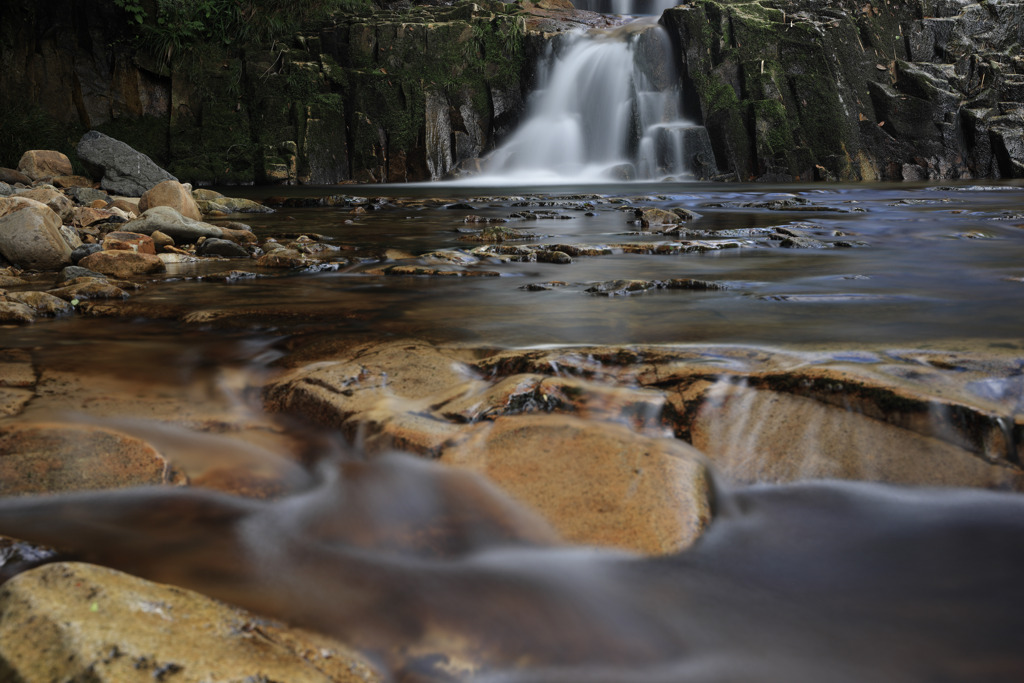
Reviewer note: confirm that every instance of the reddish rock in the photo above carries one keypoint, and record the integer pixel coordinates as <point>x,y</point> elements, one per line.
<point>129,241</point>
<point>173,194</point>
<point>54,457</point>
<point>44,163</point>
<point>122,264</point>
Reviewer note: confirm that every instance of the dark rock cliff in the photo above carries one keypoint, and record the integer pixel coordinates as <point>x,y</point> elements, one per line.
<point>857,90</point>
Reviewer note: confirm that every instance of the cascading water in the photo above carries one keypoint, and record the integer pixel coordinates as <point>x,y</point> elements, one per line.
<point>608,108</point>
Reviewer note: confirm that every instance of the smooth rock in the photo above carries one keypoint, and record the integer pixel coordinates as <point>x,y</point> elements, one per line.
<point>42,303</point>
<point>128,241</point>
<point>54,199</point>
<point>168,221</point>
<point>122,264</point>
<point>124,171</point>
<point>87,195</point>
<point>71,272</point>
<point>5,189</point>
<point>30,238</point>
<point>80,622</point>
<point>14,312</point>
<point>9,175</point>
<point>284,258</point>
<point>68,181</point>
<point>223,248</point>
<point>44,163</point>
<point>9,205</point>
<point>85,288</point>
<point>173,194</point>
<point>597,484</point>
<point>161,240</point>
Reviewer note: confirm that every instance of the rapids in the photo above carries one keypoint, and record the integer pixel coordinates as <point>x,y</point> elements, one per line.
<point>794,578</point>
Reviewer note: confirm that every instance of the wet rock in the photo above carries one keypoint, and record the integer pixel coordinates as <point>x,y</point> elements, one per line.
<point>656,217</point>
<point>173,194</point>
<point>128,241</point>
<point>122,264</point>
<point>11,280</point>
<point>69,273</point>
<point>224,248</point>
<point>39,164</point>
<point>622,287</point>
<point>406,270</point>
<point>168,221</point>
<point>81,252</point>
<point>161,240</point>
<point>85,288</point>
<point>124,171</point>
<point>71,621</point>
<point>42,303</point>
<point>547,256</point>
<point>597,484</point>
<point>499,234</point>
<point>16,313</point>
<point>229,205</point>
<point>284,258</point>
<point>54,457</point>
<point>451,256</point>
<point>31,238</point>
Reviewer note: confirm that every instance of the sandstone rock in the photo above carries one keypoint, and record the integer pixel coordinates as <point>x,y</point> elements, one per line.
<point>53,198</point>
<point>124,171</point>
<point>9,175</point>
<point>651,217</point>
<point>238,235</point>
<point>128,241</point>
<point>173,194</point>
<point>30,238</point>
<point>161,240</point>
<point>168,221</point>
<point>53,457</point>
<point>41,302</point>
<point>284,258</point>
<point>123,264</point>
<point>72,621</point>
<point>13,312</point>
<point>85,216</point>
<point>9,205</point>
<point>85,288</point>
<point>129,206</point>
<point>44,163</point>
<point>597,484</point>
<point>68,181</point>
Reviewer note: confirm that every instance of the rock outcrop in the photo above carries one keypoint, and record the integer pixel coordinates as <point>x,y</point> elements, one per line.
<point>794,89</point>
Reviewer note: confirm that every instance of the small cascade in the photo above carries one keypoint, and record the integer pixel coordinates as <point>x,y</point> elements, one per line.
<point>630,7</point>
<point>607,109</point>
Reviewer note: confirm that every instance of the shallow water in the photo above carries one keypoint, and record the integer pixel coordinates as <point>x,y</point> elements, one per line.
<point>941,268</point>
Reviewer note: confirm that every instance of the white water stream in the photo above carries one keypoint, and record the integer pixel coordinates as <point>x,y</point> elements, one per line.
<point>607,108</point>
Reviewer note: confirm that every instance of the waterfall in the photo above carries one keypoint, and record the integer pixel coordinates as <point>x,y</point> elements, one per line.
<point>607,108</point>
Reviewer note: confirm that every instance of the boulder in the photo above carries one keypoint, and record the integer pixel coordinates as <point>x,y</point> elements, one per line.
<point>30,238</point>
<point>86,195</point>
<point>173,194</point>
<point>168,221</point>
<point>44,163</point>
<point>122,264</point>
<point>16,203</point>
<point>15,312</point>
<point>597,484</point>
<point>124,171</point>
<point>41,302</point>
<point>214,246</point>
<point>80,622</point>
<point>85,288</point>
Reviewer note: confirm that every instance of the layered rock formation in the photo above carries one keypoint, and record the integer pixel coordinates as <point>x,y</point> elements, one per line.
<point>858,91</point>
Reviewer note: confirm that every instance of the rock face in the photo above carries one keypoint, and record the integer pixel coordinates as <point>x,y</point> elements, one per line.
<point>30,238</point>
<point>853,91</point>
<point>123,170</point>
<point>72,621</point>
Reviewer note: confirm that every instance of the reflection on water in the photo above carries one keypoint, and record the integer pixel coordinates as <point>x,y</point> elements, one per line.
<point>807,361</point>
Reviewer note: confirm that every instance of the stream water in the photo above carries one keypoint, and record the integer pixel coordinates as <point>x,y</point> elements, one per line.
<point>825,582</point>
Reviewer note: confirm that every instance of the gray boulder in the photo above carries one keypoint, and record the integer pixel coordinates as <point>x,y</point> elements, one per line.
<point>124,170</point>
<point>30,238</point>
<point>168,221</point>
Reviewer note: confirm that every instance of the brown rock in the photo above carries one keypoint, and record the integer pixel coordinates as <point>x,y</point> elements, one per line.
<point>44,163</point>
<point>61,205</point>
<point>72,621</point>
<point>41,302</point>
<point>128,205</point>
<point>173,194</point>
<point>9,205</point>
<point>9,175</point>
<point>13,312</point>
<point>54,457</point>
<point>98,204</point>
<point>284,258</point>
<point>161,240</point>
<point>30,238</point>
<point>72,181</point>
<point>122,264</point>
<point>238,236</point>
<point>129,241</point>
<point>598,484</point>
<point>85,288</point>
<point>84,216</point>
